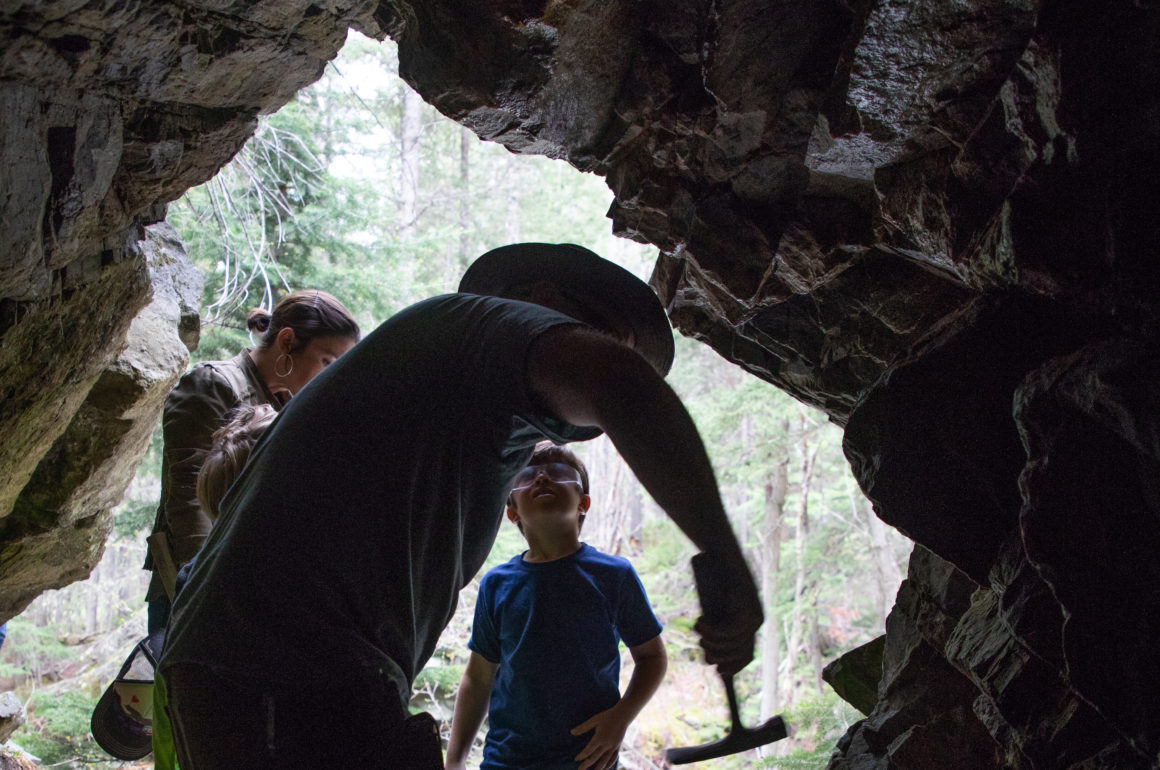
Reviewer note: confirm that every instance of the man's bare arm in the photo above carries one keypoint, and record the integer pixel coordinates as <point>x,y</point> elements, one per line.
<point>589,379</point>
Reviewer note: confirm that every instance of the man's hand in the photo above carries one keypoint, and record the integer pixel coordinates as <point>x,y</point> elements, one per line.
<point>731,611</point>
<point>604,747</point>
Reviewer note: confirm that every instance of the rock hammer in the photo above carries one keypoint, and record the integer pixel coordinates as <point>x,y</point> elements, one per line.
<point>711,589</point>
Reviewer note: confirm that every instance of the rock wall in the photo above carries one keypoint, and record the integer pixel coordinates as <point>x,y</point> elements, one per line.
<point>108,111</point>
<point>88,375</point>
<point>934,219</point>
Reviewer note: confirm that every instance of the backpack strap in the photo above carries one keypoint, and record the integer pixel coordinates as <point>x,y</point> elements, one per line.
<point>163,562</point>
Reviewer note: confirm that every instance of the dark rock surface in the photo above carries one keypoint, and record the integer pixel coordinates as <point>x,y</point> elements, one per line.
<point>934,219</point>
<point>856,674</point>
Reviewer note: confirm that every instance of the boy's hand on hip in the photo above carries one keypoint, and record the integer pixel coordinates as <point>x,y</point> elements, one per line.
<point>603,749</point>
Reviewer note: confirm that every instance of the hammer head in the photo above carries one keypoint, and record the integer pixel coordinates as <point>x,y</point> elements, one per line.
<point>740,739</point>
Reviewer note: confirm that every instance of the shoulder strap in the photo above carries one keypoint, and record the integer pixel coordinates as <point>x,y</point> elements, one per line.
<point>163,562</point>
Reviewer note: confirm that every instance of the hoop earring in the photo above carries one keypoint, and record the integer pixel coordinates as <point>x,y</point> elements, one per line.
<point>278,361</point>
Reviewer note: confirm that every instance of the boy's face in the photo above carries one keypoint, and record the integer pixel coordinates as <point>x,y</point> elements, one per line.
<point>547,499</point>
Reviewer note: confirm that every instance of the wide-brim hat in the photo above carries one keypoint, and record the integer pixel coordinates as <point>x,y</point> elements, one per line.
<point>580,274</point>
<point>122,721</point>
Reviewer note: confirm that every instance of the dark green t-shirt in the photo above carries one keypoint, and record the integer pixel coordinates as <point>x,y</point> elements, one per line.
<point>375,496</point>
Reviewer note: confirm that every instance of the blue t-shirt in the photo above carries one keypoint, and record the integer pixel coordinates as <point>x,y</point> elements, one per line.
<point>369,503</point>
<point>553,628</point>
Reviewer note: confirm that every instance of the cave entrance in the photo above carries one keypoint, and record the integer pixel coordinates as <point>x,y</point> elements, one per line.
<point>359,187</point>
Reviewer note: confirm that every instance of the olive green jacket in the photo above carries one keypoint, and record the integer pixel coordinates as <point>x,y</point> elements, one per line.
<point>198,405</point>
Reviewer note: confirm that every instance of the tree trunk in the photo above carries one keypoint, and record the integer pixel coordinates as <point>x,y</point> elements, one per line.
<point>465,136</point>
<point>507,184</point>
<point>93,600</point>
<point>511,226</point>
<point>816,645</point>
<point>611,485</point>
<point>412,128</point>
<point>635,531</point>
<point>771,535</point>
<point>803,609</point>
<point>409,153</point>
<point>738,493</point>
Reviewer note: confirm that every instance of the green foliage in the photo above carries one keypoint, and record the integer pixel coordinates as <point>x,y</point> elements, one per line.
<point>664,549</point>
<point>30,649</point>
<point>138,509</point>
<point>508,543</point>
<point>276,220</point>
<point>440,677</point>
<point>57,731</point>
<point>280,217</point>
<point>663,567</point>
<point>751,429</point>
<point>134,517</point>
<point>819,722</point>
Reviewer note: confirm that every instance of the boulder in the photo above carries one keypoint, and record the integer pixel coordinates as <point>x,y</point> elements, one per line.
<point>11,715</point>
<point>61,516</point>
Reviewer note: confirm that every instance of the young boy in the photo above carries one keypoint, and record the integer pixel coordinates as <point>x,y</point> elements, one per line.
<point>544,647</point>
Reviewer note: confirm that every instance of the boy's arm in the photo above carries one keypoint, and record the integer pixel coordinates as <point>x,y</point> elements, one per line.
<point>649,664</point>
<point>588,379</point>
<point>470,707</point>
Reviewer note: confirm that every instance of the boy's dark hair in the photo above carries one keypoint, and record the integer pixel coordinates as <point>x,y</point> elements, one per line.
<point>547,452</point>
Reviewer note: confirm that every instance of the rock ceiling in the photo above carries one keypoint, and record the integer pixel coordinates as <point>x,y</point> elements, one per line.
<point>935,220</point>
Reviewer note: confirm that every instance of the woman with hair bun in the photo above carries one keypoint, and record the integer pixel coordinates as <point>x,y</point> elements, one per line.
<point>223,463</point>
<point>306,331</point>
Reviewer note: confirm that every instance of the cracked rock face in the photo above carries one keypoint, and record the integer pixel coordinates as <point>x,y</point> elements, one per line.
<point>933,219</point>
<point>108,111</point>
<point>86,393</point>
